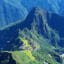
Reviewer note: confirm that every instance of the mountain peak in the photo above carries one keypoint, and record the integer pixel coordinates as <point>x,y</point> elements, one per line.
<point>37,10</point>
<point>37,21</point>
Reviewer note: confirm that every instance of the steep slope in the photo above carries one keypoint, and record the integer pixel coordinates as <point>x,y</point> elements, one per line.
<point>57,23</point>
<point>20,57</point>
<point>35,22</point>
<point>11,12</point>
<point>34,37</point>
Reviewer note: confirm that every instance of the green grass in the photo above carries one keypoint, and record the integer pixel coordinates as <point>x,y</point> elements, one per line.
<point>20,57</point>
<point>46,53</point>
<point>28,53</point>
<point>24,57</point>
<point>26,42</point>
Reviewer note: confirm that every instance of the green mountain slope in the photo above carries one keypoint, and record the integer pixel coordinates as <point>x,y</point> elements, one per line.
<point>31,41</point>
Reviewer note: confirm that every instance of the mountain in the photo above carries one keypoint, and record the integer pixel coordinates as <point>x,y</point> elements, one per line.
<point>56,22</point>
<point>21,8</point>
<point>53,5</point>
<point>34,39</point>
<point>56,5</point>
<point>11,12</point>
<point>36,22</point>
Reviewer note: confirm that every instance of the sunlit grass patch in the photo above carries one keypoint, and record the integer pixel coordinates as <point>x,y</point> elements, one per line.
<point>26,42</point>
<point>28,53</point>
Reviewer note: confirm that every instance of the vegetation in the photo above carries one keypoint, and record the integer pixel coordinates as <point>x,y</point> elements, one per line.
<point>25,42</point>
<point>28,53</point>
<point>31,41</point>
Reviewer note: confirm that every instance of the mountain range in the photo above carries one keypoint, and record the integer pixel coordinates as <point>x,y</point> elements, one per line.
<point>38,38</point>
<point>53,5</point>
<point>12,11</point>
